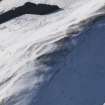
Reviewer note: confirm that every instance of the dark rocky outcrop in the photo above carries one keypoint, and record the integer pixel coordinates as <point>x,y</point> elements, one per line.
<point>28,8</point>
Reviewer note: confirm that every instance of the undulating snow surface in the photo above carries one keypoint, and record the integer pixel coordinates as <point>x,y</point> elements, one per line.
<point>55,59</point>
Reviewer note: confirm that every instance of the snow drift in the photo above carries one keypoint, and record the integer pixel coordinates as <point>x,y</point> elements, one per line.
<point>35,53</point>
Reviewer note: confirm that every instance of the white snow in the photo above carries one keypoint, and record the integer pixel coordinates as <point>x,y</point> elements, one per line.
<point>26,38</point>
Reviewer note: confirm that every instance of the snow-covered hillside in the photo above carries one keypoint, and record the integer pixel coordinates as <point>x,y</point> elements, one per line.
<point>36,63</point>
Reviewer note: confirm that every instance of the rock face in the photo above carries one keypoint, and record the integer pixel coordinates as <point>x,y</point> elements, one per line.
<point>28,8</point>
<point>54,59</point>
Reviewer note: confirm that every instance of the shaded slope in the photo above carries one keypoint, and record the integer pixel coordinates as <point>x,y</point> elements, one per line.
<point>82,71</point>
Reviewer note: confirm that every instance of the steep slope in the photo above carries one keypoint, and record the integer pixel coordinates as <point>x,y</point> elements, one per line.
<point>34,49</point>
<point>80,75</point>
